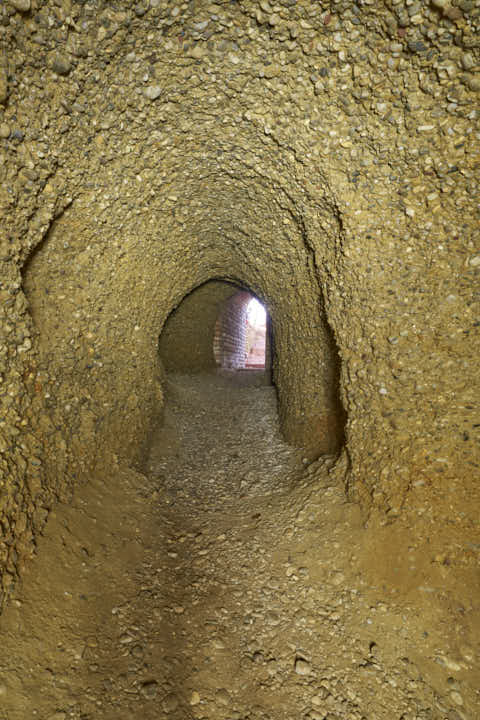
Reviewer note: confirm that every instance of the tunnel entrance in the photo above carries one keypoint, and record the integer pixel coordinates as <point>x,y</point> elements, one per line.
<point>256,335</point>
<point>219,325</point>
<point>240,341</point>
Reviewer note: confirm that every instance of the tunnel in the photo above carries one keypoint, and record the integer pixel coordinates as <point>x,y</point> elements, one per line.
<point>211,328</point>
<point>202,517</point>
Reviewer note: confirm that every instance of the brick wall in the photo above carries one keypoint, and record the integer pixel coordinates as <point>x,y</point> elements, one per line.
<point>230,332</point>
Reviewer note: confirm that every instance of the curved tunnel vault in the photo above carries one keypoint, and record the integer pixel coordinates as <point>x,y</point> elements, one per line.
<point>208,329</point>
<point>99,322</point>
<point>323,156</point>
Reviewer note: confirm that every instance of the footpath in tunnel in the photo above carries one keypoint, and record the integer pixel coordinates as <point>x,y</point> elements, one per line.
<point>191,591</point>
<point>220,441</point>
<point>181,543</point>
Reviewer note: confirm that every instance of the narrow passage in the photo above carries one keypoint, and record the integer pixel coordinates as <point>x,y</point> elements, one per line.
<point>220,441</point>
<point>192,592</point>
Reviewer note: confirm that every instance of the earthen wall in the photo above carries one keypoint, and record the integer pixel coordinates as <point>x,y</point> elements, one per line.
<point>324,155</point>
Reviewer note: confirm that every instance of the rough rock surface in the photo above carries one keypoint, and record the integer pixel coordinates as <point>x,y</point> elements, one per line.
<point>323,156</point>
<point>193,591</point>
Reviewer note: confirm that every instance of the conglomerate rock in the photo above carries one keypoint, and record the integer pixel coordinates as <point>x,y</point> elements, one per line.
<point>323,155</point>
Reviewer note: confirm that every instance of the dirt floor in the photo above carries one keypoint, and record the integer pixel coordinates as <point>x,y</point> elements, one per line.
<point>231,581</point>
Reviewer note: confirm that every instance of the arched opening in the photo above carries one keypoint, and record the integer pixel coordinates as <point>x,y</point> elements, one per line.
<point>207,332</point>
<point>240,340</point>
<point>217,325</point>
<point>256,339</point>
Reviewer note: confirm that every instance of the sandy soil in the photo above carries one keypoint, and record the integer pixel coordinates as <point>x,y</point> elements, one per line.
<point>231,581</point>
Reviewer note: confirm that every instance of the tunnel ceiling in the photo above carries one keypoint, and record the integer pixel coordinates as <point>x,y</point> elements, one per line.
<point>324,155</point>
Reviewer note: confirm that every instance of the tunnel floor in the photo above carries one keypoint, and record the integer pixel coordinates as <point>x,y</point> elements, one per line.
<point>225,582</point>
<point>220,441</point>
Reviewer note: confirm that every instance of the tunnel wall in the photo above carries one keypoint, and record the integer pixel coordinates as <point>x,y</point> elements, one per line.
<point>323,157</point>
<point>230,332</point>
<point>187,339</point>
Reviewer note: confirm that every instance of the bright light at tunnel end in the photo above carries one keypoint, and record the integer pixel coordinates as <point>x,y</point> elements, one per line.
<point>256,313</point>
